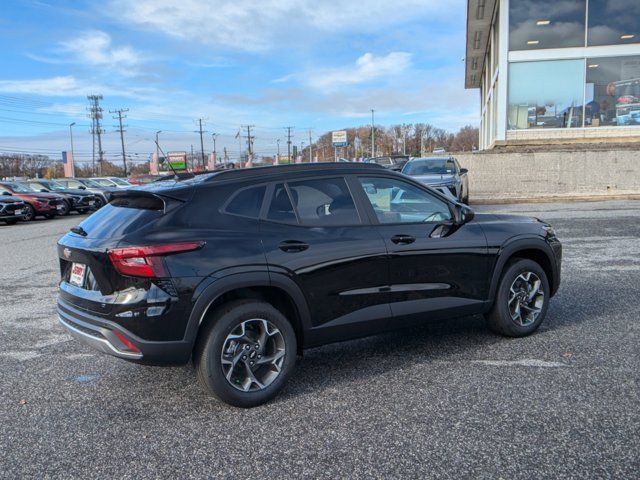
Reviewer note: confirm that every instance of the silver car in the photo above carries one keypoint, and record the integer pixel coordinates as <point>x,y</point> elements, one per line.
<point>441,173</point>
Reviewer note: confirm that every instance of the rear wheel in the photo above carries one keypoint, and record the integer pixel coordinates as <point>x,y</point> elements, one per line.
<point>521,300</point>
<point>246,353</point>
<point>29,213</point>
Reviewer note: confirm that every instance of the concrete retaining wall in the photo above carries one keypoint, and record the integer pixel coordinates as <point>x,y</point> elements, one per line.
<point>510,175</point>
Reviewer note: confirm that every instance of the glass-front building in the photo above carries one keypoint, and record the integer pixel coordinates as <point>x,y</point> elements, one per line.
<point>554,69</point>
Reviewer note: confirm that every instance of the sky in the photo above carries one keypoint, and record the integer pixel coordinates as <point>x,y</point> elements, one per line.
<point>311,64</point>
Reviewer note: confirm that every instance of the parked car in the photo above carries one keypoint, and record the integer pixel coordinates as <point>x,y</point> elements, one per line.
<point>79,201</point>
<point>101,193</point>
<point>113,182</point>
<point>390,162</point>
<point>241,270</point>
<point>12,209</point>
<point>143,179</point>
<point>36,204</point>
<point>441,173</point>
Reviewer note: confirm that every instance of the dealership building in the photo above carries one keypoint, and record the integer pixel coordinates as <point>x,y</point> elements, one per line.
<point>555,71</point>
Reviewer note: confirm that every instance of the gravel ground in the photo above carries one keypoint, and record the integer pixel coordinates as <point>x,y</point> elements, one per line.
<point>450,400</point>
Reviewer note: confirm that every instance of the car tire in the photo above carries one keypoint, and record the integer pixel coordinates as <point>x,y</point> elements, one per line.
<point>30,213</point>
<point>234,332</point>
<point>465,200</point>
<point>65,210</point>
<point>517,309</point>
<point>99,203</point>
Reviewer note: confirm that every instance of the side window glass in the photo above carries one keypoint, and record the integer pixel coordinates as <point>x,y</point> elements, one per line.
<point>247,202</point>
<point>395,201</point>
<point>324,202</point>
<point>281,209</point>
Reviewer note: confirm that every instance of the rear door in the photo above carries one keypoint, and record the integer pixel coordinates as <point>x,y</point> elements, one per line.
<point>436,269</point>
<point>313,233</point>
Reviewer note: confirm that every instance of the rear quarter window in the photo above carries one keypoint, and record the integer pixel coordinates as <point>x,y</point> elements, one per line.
<point>246,202</point>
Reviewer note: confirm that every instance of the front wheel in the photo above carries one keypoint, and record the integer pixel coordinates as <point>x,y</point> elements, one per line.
<point>29,213</point>
<point>65,210</point>
<point>521,300</point>
<point>246,353</point>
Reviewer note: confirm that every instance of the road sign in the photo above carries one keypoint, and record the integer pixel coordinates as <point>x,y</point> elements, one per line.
<point>339,138</point>
<point>177,160</point>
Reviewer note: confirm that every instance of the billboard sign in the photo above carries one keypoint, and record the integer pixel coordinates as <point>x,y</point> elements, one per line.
<point>177,160</point>
<point>339,138</point>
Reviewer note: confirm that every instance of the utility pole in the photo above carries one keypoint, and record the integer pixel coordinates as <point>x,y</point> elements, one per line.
<point>278,156</point>
<point>158,146</point>
<point>249,142</point>
<point>121,130</point>
<point>310,148</point>
<point>289,143</point>
<point>95,113</point>
<point>71,136</point>
<point>201,143</point>
<point>213,136</point>
<point>373,135</point>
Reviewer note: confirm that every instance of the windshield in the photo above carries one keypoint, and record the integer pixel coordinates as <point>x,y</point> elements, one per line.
<point>104,182</point>
<point>119,181</point>
<point>16,187</point>
<point>89,183</point>
<point>430,166</point>
<point>51,185</point>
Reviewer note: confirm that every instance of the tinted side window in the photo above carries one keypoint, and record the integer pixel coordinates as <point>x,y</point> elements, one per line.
<point>247,202</point>
<point>395,201</point>
<point>324,202</point>
<point>281,209</point>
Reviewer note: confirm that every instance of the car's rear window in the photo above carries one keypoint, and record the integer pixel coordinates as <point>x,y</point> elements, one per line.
<point>116,221</point>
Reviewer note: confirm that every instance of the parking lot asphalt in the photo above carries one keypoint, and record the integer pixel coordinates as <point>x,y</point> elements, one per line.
<point>448,400</point>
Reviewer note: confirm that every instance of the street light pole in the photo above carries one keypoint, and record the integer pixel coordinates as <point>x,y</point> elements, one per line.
<point>373,135</point>
<point>214,135</point>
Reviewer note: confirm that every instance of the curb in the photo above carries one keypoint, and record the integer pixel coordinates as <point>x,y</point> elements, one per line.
<point>554,199</point>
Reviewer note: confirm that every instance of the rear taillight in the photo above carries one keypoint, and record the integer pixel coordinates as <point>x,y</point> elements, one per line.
<point>147,261</point>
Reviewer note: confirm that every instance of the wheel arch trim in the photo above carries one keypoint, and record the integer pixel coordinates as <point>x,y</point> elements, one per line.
<point>514,246</point>
<point>218,287</point>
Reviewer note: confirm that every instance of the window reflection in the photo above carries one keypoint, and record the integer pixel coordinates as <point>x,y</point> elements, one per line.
<point>535,24</point>
<point>546,94</point>
<point>613,91</point>
<point>614,22</point>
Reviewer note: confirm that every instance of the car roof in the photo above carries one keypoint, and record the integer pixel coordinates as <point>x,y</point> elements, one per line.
<point>295,170</point>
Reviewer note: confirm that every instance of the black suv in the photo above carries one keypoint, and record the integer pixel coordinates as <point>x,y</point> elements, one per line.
<point>77,200</point>
<point>240,270</point>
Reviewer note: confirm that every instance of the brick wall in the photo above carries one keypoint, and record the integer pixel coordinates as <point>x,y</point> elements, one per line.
<point>552,173</point>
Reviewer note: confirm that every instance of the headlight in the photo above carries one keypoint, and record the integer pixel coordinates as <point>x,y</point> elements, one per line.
<point>550,231</point>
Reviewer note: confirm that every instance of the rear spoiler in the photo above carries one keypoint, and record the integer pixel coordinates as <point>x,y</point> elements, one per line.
<point>143,199</point>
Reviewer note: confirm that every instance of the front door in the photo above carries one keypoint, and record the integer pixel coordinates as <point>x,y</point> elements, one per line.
<point>436,269</point>
<point>313,233</point>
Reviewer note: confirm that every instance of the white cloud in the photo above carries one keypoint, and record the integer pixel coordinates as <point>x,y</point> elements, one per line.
<point>257,25</point>
<point>366,68</point>
<point>69,86</point>
<point>94,47</point>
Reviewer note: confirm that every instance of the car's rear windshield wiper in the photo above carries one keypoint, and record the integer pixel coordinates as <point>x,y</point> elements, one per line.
<point>79,230</point>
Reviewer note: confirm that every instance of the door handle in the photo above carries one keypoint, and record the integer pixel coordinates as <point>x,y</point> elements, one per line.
<point>403,239</point>
<point>293,246</point>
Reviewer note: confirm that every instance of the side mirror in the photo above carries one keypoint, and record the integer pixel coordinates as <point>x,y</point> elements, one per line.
<point>82,187</point>
<point>463,171</point>
<point>463,214</point>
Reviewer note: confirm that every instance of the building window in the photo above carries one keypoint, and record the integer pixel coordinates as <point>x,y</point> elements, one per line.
<point>536,24</point>
<point>613,22</point>
<point>546,94</point>
<point>612,91</point>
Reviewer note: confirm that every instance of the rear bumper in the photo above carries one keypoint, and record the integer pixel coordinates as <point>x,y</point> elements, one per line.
<point>100,334</point>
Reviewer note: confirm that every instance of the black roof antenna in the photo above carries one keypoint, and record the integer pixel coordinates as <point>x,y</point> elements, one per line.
<point>165,157</point>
